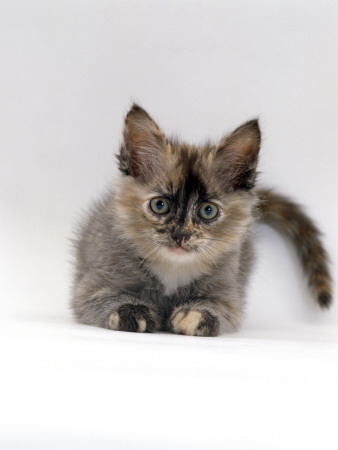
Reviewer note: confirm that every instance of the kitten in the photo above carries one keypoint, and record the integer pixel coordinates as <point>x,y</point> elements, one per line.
<point>171,247</point>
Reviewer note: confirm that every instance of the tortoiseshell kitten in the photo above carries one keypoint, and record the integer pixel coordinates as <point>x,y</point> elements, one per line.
<point>171,247</point>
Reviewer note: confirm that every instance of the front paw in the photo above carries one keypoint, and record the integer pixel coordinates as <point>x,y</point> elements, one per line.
<point>193,322</point>
<point>130,317</point>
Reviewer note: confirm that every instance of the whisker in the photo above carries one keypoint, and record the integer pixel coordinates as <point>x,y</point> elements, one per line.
<point>214,239</point>
<point>207,256</point>
<point>209,253</point>
<point>153,247</point>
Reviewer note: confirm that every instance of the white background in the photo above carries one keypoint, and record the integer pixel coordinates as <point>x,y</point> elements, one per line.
<point>69,72</point>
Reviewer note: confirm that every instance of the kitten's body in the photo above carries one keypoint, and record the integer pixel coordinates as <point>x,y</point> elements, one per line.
<point>141,270</point>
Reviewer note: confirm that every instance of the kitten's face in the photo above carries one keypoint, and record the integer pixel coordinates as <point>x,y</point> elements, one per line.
<point>176,203</point>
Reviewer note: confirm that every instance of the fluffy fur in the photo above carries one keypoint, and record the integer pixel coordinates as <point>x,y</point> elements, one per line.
<point>139,269</point>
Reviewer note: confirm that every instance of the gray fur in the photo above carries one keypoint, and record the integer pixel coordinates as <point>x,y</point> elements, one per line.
<point>110,273</point>
<point>132,273</point>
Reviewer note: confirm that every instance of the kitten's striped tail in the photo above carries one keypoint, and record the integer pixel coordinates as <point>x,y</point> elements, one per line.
<point>289,219</point>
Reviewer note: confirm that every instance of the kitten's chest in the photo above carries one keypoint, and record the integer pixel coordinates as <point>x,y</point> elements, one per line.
<point>173,277</point>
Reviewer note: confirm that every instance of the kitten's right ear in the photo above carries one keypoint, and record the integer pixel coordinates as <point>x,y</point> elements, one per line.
<point>142,151</point>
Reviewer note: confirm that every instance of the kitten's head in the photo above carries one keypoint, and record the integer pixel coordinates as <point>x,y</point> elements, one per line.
<point>183,203</point>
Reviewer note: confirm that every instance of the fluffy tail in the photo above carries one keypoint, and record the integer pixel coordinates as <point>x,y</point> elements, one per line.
<point>288,218</point>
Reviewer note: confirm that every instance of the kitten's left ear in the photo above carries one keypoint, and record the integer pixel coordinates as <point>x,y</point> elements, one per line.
<point>237,156</point>
<point>142,151</point>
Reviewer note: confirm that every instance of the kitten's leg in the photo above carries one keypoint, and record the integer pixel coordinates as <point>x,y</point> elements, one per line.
<point>206,318</point>
<point>117,312</point>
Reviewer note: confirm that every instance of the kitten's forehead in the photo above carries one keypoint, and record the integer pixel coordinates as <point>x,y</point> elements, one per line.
<point>187,174</point>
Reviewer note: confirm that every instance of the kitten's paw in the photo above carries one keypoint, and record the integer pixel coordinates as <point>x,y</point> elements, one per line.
<point>129,317</point>
<point>193,322</point>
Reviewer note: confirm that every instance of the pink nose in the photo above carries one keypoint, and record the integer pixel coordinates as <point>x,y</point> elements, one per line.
<point>179,237</point>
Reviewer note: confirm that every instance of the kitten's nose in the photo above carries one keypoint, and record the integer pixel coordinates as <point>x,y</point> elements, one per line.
<point>180,236</point>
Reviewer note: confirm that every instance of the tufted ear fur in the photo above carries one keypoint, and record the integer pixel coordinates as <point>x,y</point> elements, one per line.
<point>142,151</point>
<point>236,157</point>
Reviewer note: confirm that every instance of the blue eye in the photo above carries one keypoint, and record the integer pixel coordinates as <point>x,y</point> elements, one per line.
<point>208,211</point>
<point>159,205</point>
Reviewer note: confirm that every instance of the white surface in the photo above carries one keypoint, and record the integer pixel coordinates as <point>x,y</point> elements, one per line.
<point>68,74</point>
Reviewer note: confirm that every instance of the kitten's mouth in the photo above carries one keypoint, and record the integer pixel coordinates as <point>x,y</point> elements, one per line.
<point>179,250</point>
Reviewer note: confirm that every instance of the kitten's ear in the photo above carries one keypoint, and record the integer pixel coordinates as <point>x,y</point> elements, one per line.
<point>237,156</point>
<point>142,151</point>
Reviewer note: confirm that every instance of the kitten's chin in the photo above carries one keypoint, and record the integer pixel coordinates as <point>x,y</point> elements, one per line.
<point>177,254</point>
